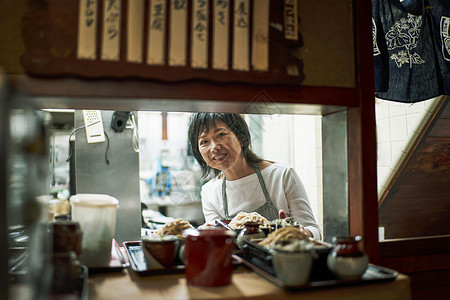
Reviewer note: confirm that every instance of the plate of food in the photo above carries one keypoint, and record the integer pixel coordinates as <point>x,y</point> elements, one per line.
<point>238,222</point>
<point>159,251</point>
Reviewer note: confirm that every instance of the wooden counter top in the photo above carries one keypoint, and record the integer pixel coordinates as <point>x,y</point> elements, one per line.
<point>245,284</point>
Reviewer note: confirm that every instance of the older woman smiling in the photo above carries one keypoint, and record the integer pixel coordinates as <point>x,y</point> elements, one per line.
<point>242,181</point>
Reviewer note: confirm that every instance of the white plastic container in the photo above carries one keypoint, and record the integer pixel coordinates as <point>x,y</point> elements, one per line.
<point>96,214</point>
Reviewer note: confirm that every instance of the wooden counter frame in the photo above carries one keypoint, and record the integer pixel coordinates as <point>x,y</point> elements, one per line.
<point>245,285</point>
<point>358,102</point>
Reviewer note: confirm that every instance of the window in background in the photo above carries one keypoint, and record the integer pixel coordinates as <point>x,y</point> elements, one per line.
<point>294,139</point>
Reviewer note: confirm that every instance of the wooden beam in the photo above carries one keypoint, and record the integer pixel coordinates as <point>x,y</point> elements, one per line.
<point>363,209</point>
<point>139,89</point>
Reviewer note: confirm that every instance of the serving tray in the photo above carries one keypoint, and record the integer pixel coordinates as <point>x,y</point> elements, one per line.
<point>373,274</point>
<point>17,262</point>
<point>138,261</point>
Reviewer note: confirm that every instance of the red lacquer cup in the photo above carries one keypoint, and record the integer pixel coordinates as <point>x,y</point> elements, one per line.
<point>207,256</point>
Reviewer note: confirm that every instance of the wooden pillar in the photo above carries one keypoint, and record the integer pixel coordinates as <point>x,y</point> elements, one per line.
<point>362,150</point>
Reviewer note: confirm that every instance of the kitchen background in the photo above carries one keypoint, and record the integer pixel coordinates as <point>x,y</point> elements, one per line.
<point>169,178</point>
<point>295,139</point>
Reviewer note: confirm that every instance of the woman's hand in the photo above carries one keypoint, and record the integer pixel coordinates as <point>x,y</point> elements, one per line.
<point>282,215</point>
<point>305,231</point>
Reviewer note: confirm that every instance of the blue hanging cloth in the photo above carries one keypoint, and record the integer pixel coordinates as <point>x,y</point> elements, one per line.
<point>439,16</point>
<point>406,64</point>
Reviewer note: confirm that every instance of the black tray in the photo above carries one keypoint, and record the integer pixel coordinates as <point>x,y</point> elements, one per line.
<point>373,274</point>
<point>262,258</point>
<point>138,262</point>
<point>17,262</point>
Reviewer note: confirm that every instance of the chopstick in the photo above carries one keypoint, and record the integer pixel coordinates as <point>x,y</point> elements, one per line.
<point>220,222</point>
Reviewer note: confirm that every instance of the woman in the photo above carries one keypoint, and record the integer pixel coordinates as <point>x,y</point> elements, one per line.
<point>242,181</point>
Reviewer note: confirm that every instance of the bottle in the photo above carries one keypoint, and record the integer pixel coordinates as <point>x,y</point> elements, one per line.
<point>249,232</point>
<point>346,260</point>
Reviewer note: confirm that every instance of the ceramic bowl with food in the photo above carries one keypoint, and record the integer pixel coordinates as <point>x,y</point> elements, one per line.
<point>293,268</point>
<point>160,249</point>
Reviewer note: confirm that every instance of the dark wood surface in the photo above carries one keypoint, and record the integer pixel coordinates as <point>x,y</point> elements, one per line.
<point>328,51</point>
<point>138,93</point>
<point>362,151</point>
<point>415,214</point>
<point>50,30</point>
<point>337,54</point>
<point>425,260</point>
<point>419,201</point>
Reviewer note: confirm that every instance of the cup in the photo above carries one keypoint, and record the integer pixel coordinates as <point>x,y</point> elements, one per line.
<point>207,256</point>
<point>347,261</point>
<point>67,236</point>
<point>96,214</point>
<point>293,268</point>
<point>250,232</point>
<point>161,248</point>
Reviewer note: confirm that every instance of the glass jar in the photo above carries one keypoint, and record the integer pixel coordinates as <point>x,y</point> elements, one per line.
<point>347,260</point>
<point>249,232</point>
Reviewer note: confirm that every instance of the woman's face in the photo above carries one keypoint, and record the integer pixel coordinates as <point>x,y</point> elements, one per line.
<point>220,147</point>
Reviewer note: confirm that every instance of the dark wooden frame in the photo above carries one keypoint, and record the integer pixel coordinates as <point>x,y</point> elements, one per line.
<point>208,96</point>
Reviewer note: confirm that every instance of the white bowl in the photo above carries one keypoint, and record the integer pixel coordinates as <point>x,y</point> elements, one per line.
<point>293,268</point>
<point>349,268</point>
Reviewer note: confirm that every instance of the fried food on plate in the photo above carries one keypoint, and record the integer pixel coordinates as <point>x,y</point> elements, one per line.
<point>174,227</point>
<point>241,218</point>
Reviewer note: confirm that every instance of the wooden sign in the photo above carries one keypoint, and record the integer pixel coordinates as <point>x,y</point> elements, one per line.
<point>248,41</point>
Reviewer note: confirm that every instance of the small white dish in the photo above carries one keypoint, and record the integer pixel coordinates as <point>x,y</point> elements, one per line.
<point>348,268</point>
<point>293,268</point>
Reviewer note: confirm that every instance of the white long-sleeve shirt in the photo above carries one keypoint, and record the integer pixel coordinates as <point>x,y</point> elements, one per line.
<point>286,191</point>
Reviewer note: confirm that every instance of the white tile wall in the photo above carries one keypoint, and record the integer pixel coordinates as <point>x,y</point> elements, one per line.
<point>413,121</point>
<point>398,126</point>
<point>384,154</point>
<point>304,151</point>
<point>382,109</point>
<point>275,145</point>
<point>397,109</point>
<point>383,173</point>
<point>384,128</point>
<point>307,137</point>
<point>398,131</point>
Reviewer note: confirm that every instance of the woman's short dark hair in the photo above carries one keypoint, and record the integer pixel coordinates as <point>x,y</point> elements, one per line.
<point>201,122</point>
